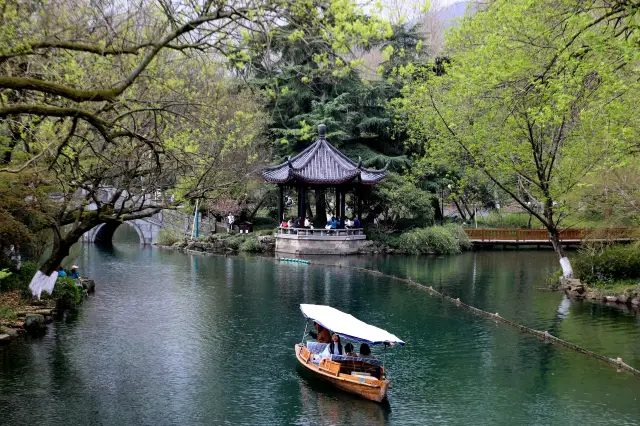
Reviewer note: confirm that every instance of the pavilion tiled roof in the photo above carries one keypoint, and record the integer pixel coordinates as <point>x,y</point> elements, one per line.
<point>322,164</point>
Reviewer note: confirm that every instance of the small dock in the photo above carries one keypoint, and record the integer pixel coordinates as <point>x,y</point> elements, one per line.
<point>488,237</point>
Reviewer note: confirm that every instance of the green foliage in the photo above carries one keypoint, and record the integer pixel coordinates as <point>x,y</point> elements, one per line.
<point>508,220</point>
<point>460,235</point>
<point>67,292</point>
<point>4,273</point>
<point>167,237</point>
<point>19,280</point>
<point>7,313</point>
<point>264,223</point>
<point>534,97</point>
<point>396,198</point>
<point>433,240</point>
<point>613,263</point>
<point>301,93</point>
<point>252,245</point>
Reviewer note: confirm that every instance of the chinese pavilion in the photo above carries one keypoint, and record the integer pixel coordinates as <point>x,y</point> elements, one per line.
<point>320,167</point>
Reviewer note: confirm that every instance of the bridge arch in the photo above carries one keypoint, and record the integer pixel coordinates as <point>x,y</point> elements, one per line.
<point>103,233</point>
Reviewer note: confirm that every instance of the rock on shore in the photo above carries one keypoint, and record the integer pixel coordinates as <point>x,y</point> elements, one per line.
<point>34,323</point>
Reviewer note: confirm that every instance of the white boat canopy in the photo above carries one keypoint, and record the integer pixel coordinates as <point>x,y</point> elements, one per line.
<point>348,326</point>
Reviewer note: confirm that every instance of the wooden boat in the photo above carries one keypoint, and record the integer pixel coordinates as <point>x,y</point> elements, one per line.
<point>362,376</point>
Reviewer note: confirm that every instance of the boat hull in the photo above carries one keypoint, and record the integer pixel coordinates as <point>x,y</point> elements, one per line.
<point>366,387</point>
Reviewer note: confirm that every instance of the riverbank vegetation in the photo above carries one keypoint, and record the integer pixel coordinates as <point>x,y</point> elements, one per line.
<point>610,270</point>
<point>448,239</point>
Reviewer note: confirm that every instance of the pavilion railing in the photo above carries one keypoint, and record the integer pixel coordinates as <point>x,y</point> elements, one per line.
<point>321,231</point>
<point>490,234</point>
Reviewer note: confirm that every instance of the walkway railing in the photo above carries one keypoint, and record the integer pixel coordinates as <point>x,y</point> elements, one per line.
<point>490,234</point>
<point>321,231</point>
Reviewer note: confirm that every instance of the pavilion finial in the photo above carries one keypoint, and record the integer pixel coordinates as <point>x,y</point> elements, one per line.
<point>289,162</point>
<point>322,131</point>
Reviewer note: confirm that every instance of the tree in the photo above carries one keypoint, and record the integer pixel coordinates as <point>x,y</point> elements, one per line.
<point>110,103</point>
<point>396,199</point>
<point>537,95</point>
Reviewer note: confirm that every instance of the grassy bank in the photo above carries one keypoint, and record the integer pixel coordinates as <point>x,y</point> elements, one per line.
<point>609,271</point>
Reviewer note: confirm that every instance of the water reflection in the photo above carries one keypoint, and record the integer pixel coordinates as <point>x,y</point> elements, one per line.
<point>324,405</point>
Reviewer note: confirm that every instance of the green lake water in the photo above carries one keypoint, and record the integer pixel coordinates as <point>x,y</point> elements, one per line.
<point>171,338</point>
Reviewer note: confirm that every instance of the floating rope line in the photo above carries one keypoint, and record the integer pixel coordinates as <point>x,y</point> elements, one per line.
<point>542,335</point>
<point>287,259</point>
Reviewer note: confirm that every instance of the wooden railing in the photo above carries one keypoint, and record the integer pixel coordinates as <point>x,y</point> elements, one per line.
<point>321,231</point>
<point>490,234</point>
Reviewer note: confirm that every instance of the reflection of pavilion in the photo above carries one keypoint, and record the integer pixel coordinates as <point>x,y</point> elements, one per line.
<point>322,167</point>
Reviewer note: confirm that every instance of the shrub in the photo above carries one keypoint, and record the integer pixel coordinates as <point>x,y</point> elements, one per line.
<point>392,240</point>
<point>167,237</point>
<point>437,239</point>
<point>233,241</point>
<point>252,245</point>
<point>19,280</point>
<point>66,292</point>
<point>613,263</point>
<point>460,235</point>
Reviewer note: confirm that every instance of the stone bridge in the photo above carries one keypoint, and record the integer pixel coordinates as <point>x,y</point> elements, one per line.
<point>147,228</point>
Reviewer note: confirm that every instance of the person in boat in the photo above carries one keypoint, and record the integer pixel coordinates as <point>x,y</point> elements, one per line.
<point>321,335</point>
<point>349,350</point>
<point>333,348</point>
<point>365,351</point>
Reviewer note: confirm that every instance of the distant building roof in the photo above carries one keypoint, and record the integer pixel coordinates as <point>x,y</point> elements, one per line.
<point>322,164</point>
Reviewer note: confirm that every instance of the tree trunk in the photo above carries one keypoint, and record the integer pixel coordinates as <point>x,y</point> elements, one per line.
<point>554,236</point>
<point>463,216</point>
<point>257,207</point>
<point>61,246</point>
<point>438,213</point>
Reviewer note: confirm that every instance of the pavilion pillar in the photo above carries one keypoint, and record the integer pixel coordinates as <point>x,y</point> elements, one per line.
<point>358,204</point>
<point>321,208</point>
<point>337,201</point>
<point>280,204</point>
<point>343,197</point>
<point>301,208</point>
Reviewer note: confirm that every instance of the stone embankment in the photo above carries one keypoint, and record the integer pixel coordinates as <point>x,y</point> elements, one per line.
<point>376,247</point>
<point>575,289</point>
<point>234,244</point>
<point>30,319</point>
